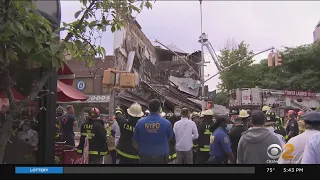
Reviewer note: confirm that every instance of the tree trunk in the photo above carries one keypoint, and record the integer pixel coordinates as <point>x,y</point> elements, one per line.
<point>14,110</point>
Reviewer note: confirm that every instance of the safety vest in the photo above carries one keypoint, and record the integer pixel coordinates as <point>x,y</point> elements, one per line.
<point>97,145</point>
<point>111,139</point>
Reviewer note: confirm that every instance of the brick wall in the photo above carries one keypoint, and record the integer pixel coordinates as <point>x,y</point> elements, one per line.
<point>93,76</point>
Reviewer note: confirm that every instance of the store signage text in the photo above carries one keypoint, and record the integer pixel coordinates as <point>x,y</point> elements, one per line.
<point>98,98</point>
<point>300,93</point>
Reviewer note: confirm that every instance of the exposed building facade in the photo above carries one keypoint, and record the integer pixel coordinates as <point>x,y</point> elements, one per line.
<point>154,68</point>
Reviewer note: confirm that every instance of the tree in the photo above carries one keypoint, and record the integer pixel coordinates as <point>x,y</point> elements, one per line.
<point>25,33</point>
<point>299,71</point>
<point>232,78</point>
<point>222,98</point>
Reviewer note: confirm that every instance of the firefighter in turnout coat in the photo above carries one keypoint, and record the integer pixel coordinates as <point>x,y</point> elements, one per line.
<point>127,153</point>
<point>96,133</point>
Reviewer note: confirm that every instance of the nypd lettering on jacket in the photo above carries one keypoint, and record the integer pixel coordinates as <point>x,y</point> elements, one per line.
<point>152,127</point>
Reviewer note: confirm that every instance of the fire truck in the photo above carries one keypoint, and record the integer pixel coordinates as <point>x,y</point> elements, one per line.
<point>280,100</point>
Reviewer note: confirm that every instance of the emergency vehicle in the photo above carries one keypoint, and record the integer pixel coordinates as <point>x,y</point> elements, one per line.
<point>280,100</point>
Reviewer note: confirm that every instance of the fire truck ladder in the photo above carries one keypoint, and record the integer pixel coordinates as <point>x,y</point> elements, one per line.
<point>303,107</point>
<point>213,54</point>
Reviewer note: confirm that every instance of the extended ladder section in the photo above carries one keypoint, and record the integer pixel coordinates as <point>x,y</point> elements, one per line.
<point>213,54</point>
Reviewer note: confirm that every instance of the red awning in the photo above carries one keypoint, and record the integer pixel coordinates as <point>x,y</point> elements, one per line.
<point>65,70</point>
<point>17,96</point>
<point>66,93</point>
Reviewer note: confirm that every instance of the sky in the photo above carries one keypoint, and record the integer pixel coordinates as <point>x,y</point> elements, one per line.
<point>261,24</point>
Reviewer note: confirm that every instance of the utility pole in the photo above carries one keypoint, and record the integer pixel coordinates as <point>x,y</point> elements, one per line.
<point>202,61</point>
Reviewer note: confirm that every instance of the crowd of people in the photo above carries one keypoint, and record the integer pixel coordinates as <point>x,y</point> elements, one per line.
<point>182,137</point>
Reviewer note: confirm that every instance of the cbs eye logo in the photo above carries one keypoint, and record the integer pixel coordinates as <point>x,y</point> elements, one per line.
<point>274,151</point>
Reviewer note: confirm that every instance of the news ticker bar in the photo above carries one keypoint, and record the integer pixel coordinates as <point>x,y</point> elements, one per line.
<point>134,170</point>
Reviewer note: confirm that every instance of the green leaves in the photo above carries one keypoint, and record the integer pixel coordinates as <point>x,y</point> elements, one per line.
<point>76,15</point>
<point>299,71</point>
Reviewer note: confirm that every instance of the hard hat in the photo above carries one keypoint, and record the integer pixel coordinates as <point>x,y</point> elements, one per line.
<point>312,116</point>
<point>300,113</point>
<point>291,112</point>
<point>60,111</point>
<point>243,114</point>
<point>208,112</point>
<point>118,110</point>
<point>265,108</point>
<point>94,113</point>
<point>135,110</point>
<point>195,114</point>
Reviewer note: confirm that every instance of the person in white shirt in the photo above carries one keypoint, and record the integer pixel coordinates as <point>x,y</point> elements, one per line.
<point>185,132</point>
<point>297,145</point>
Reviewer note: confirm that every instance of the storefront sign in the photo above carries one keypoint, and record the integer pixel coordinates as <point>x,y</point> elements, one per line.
<point>300,93</point>
<point>98,98</point>
<point>81,85</point>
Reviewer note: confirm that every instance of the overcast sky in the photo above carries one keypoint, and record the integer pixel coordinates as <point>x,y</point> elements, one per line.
<point>261,24</point>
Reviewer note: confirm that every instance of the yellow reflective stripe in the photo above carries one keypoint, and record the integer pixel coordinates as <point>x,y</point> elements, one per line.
<point>94,152</point>
<point>205,149</point>
<point>195,145</point>
<point>173,156</point>
<point>286,137</point>
<point>127,155</point>
<point>207,132</point>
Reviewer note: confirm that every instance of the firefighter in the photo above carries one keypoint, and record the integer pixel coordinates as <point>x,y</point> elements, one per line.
<point>95,131</point>
<point>203,140</point>
<point>243,114</point>
<point>271,126</point>
<point>127,153</point>
<point>279,129</point>
<point>195,117</point>
<point>172,142</point>
<point>59,113</point>
<point>301,124</point>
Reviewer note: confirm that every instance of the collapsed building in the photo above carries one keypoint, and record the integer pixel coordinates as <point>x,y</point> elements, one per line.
<point>160,72</point>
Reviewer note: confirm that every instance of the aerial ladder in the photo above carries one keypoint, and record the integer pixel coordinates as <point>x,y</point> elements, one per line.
<point>213,54</point>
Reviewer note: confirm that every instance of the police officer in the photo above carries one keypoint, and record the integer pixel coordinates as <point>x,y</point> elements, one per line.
<point>220,145</point>
<point>297,145</point>
<point>292,128</point>
<point>127,153</point>
<point>301,124</point>
<point>172,142</point>
<point>203,140</point>
<point>95,131</point>
<point>59,113</point>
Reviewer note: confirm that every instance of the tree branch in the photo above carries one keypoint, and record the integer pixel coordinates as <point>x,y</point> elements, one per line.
<point>70,34</point>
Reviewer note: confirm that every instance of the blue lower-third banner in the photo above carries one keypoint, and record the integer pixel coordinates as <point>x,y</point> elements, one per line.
<point>39,170</point>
